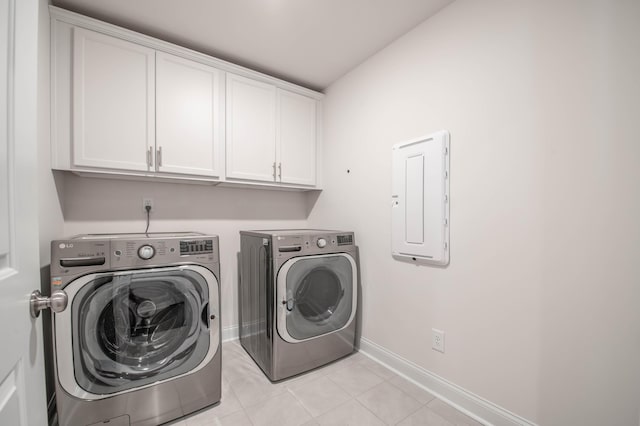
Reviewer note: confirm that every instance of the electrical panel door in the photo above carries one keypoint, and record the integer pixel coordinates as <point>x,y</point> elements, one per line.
<point>420,199</point>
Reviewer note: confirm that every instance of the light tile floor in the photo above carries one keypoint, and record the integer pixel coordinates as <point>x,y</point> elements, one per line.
<point>352,391</point>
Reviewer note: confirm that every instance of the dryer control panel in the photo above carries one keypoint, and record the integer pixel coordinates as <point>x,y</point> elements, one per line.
<point>306,243</point>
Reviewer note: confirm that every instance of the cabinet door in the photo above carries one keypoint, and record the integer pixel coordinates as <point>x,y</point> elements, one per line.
<point>297,138</point>
<point>113,102</point>
<point>251,131</point>
<point>187,116</point>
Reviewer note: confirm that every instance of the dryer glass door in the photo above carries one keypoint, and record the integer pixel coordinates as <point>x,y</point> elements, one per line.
<point>135,328</point>
<point>317,295</point>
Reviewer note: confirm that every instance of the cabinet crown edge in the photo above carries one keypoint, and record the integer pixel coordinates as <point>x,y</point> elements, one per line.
<point>77,19</point>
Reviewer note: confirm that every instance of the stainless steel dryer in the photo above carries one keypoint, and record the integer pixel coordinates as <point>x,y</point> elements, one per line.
<point>298,298</point>
<point>139,340</point>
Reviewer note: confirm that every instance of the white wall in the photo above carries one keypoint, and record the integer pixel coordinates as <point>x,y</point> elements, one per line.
<point>540,303</point>
<point>93,205</point>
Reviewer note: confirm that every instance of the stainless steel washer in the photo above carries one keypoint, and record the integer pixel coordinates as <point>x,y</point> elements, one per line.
<point>139,341</point>
<point>298,298</point>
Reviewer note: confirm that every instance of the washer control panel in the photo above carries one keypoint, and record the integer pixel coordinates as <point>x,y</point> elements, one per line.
<point>188,247</point>
<point>75,256</point>
<point>153,252</point>
<point>146,252</point>
<point>345,240</point>
<point>86,254</point>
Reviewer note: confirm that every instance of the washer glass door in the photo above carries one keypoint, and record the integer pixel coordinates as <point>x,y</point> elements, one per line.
<point>316,295</point>
<point>135,328</point>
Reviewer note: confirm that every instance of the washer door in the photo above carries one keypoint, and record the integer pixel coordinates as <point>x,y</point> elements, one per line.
<point>316,295</point>
<point>131,329</point>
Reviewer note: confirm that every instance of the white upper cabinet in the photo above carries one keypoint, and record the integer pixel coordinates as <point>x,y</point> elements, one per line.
<point>137,109</point>
<point>113,102</point>
<point>296,150</point>
<point>188,125</point>
<point>271,133</point>
<point>125,104</point>
<point>251,129</point>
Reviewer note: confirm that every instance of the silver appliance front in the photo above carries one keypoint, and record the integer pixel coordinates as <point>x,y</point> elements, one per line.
<point>298,298</point>
<point>134,329</point>
<point>139,342</point>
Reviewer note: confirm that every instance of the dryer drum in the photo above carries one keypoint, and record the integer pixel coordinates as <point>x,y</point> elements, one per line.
<point>319,294</point>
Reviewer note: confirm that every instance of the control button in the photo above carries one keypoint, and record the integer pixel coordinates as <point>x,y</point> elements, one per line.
<point>146,252</point>
<point>118,253</point>
<point>321,242</point>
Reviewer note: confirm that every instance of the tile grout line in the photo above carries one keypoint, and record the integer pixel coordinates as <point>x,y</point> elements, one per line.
<point>301,404</point>
<point>366,408</point>
<point>414,412</point>
<point>406,393</point>
<point>355,397</point>
<point>324,376</point>
<point>422,405</point>
<point>327,371</point>
<point>240,404</point>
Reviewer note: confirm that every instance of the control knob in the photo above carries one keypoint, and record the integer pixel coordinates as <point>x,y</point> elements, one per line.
<point>146,252</point>
<point>321,243</point>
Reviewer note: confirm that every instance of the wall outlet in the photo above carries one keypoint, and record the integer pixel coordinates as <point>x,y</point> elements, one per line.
<point>437,340</point>
<point>147,202</point>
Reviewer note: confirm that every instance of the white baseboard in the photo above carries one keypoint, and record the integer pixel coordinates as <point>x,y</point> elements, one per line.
<point>472,405</point>
<point>231,332</point>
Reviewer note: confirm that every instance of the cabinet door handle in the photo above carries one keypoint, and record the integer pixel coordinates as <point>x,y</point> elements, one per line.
<point>274,171</point>
<point>280,172</point>
<point>159,157</point>
<point>150,157</point>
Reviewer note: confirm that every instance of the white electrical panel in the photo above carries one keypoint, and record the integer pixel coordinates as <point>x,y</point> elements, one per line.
<point>420,200</point>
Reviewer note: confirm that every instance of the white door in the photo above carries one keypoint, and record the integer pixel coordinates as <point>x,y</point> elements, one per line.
<point>188,129</point>
<point>251,129</point>
<point>113,102</point>
<point>297,139</point>
<point>22,383</point>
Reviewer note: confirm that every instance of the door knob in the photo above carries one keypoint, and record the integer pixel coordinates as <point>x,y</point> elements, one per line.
<point>57,302</point>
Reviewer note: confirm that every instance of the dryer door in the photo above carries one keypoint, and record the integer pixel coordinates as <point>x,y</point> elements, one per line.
<point>131,329</point>
<point>316,295</point>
